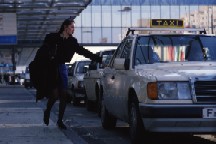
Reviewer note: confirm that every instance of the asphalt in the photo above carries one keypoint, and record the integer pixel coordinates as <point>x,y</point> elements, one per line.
<point>21,119</point>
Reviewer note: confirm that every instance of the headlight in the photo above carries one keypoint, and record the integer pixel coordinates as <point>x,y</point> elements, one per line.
<point>173,91</point>
<point>169,91</point>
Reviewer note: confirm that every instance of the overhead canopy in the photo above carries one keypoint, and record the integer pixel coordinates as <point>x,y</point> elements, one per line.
<point>35,18</point>
<point>154,2</point>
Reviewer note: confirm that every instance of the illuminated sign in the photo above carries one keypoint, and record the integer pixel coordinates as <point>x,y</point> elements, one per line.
<point>8,40</point>
<point>167,23</point>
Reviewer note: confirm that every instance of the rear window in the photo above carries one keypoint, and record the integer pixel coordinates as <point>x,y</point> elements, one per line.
<point>81,65</point>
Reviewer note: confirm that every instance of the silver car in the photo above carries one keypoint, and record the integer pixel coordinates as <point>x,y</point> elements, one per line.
<point>76,87</point>
<point>92,80</point>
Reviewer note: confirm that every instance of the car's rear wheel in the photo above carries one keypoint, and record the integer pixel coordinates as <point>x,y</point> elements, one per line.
<point>76,101</point>
<point>135,122</point>
<point>89,104</point>
<point>108,121</point>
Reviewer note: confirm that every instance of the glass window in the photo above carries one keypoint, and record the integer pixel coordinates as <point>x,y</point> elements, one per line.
<point>78,34</point>
<point>127,49</point>
<point>96,16</point>
<point>87,35</point>
<point>136,15</point>
<point>145,16</point>
<point>87,17</point>
<point>77,21</point>
<point>175,12</point>
<point>169,48</point>
<point>106,57</point>
<point>106,16</point>
<point>155,12</point>
<point>106,35</point>
<point>120,48</point>
<point>81,65</point>
<point>116,35</point>
<point>96,35</point>
<point>165,12</point>
<point>116,16</point>
<point>209,47</point>
<point>126,16</point>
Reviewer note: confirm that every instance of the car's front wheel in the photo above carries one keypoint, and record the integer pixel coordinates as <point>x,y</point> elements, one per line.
<point>107,120</point>
<point>135,122</point>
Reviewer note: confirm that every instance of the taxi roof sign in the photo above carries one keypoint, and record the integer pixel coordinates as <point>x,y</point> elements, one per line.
<point>197,30</point>
<point>167,23</point>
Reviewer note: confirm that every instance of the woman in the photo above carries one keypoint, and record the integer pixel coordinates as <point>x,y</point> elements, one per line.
<point>62,46</point>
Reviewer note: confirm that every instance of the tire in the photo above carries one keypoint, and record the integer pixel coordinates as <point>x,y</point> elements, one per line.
<point>89,105</point>
<point>69,98</point>
<point>98,101</point>
<point>135,122</point>
<point>107,120</point>
<point>76,101</point>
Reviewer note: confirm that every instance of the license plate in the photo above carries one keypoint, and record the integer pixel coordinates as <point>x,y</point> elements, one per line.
<point>209,113</point>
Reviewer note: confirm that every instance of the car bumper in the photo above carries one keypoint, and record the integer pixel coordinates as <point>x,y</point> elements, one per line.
<point>177,118</point>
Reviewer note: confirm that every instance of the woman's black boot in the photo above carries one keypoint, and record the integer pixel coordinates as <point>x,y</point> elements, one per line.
<point>61,125</point>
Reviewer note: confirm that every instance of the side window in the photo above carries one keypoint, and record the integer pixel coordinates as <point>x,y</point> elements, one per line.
<point>120,48</point>
<point>118,52</point>
<point>127,49</point>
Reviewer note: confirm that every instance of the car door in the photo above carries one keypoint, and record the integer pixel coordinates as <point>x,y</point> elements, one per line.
<point>90,79</point>
<point>117,84</point>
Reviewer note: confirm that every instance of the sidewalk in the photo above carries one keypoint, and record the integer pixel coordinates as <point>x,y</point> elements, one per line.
<point>21,120</point>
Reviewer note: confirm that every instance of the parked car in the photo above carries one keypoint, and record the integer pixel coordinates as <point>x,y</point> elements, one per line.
<point>161,82</point>
<point>27,80</point>
<point>76,87</point>
<point>92,80</point>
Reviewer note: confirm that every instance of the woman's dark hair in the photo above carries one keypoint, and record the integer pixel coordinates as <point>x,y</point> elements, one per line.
<point>66,22</point>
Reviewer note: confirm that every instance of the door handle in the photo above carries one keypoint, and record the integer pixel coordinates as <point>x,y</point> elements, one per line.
<point>113,77</point>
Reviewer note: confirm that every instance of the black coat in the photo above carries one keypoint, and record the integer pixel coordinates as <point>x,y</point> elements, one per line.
<point>65,48</point>
<point>54,51</point>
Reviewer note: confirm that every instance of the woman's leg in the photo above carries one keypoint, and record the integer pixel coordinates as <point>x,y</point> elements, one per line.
<point>63,94</point>
<point>62,106</point>
<point>51,101</point>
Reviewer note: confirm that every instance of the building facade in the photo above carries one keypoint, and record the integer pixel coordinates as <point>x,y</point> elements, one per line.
<point>105,22</point>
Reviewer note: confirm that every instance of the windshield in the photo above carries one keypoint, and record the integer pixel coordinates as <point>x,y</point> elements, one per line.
<point>81,66</point>
<point>167,48</point>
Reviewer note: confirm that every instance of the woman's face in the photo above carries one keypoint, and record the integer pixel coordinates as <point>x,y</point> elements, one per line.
<point>69,29</point>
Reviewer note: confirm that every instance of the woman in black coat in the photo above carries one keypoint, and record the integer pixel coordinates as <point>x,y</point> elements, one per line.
<point>61,47</point>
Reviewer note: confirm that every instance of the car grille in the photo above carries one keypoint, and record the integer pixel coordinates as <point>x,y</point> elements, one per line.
<point>205,90</point>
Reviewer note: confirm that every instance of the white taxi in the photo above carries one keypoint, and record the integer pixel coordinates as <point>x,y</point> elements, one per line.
<point>161,82</point>
<point>92,79</point>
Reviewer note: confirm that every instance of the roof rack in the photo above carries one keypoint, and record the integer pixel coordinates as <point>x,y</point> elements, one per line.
<point>201,31</point>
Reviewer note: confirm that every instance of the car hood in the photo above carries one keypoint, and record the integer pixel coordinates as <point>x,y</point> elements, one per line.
<point>177,70</point>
